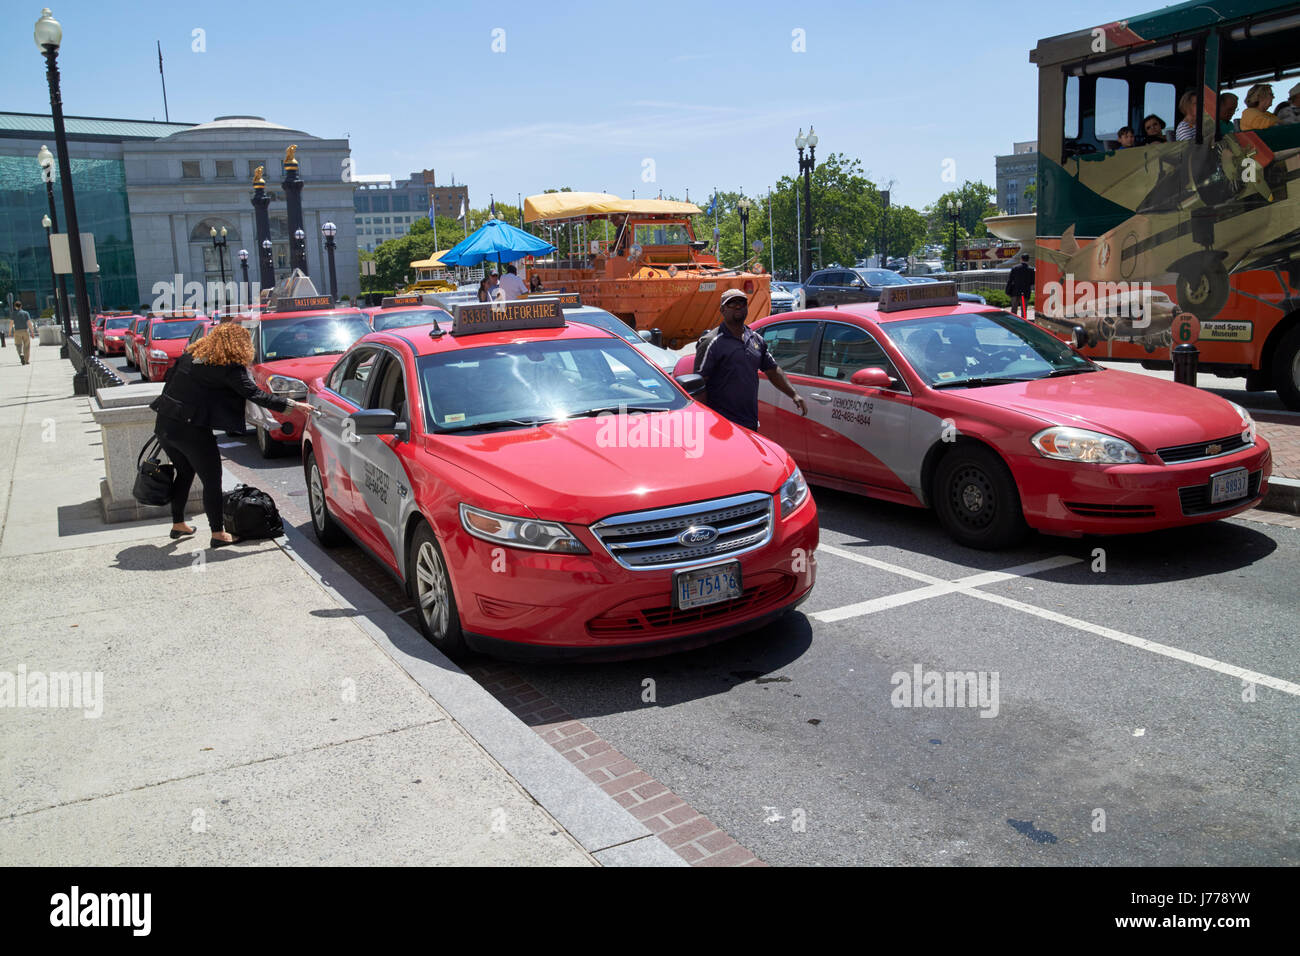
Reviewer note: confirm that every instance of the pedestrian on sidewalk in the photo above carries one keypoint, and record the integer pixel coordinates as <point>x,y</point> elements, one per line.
<point>1020,286</point>
<point>21,323</point>
<point>207,390</point>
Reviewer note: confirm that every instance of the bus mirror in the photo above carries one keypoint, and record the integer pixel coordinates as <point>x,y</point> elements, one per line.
<point>1080,336</point>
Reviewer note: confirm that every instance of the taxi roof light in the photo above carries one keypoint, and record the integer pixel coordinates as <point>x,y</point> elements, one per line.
<point>923,295</point>
<point>476,318</point>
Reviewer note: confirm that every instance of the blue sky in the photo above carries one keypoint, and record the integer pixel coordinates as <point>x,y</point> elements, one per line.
<point>584,94</point>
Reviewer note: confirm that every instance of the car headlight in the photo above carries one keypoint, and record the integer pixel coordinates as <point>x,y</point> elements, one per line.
<point>157,353</point>
<point>287,387</point>
<point>1079,444</point>
<point>1247,424</point>
<point>527,533</point>
<point>792,493</point>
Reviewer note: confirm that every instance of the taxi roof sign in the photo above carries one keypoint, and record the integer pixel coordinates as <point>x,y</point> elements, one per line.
<point>475,318</point>
<point>919,295</point>
<point>567,300</point>
<point>414,298</point>
<point>301,303</point>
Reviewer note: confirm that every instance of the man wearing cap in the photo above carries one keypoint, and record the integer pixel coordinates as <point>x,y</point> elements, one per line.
<point>730,358</point>
<point>1289,112</point>
<point>1020,285</point>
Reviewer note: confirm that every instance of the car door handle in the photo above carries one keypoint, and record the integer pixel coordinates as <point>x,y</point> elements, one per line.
<point>823,397</point>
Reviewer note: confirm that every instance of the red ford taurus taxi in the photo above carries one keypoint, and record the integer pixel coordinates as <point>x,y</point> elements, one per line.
<point>998,425</point>
<point>543,490</point>
<point>295,341</point>
<point>112,336</point>
<point>131,339</point>
<point>162,344</point>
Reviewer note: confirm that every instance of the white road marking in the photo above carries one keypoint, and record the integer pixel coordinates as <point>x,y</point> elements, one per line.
<point>968,585</point>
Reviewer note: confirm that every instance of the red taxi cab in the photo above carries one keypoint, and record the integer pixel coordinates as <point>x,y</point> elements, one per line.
<point>131,339</point>
<point>110,338</point>
<point>295,341</point>
<point>543,490</point>
<point>163,341</point>
<point>400,311</point>
<point>998,425</point>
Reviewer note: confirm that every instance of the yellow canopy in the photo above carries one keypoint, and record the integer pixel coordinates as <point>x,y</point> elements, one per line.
<point>575,205</point>
<point>433,262</point>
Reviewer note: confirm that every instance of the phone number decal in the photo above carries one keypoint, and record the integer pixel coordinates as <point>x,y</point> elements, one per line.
<point>853,410</point>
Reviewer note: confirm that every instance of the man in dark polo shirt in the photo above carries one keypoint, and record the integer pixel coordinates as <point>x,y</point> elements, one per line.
<point>730,358</point>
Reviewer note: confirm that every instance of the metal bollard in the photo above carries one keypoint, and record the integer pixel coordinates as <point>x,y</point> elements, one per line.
<point>657,337</point>
<point>1185,357</point>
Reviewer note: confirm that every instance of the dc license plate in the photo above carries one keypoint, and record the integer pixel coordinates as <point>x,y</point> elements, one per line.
<point>711,585</point>
<point>1229,486</point>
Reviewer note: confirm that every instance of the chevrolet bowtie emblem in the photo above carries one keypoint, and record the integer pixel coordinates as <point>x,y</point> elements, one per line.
<point>1213,449</point>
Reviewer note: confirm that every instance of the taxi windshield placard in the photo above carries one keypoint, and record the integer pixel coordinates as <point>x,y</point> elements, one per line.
<point>921,295</point>
<point>478,317</point>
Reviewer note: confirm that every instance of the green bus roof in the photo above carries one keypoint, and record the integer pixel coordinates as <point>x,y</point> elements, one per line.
<point>1179,19</point>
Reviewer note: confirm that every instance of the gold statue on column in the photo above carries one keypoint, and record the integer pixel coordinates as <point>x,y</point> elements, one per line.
<point>291,157</point>
<point>259,180</point>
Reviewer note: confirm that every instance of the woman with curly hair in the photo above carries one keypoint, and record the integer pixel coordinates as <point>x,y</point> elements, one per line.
<point>207,390</point>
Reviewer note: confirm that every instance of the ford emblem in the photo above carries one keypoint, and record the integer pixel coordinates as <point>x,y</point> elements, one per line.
<point>697,535</point>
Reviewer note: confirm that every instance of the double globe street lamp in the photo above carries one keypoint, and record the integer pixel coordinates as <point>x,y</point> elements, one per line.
<point>329,231</point>
<point>243,264</point>
<point>806,166</point>
<point>220,246</point>
<point>300,248</point>
<point>59,287</point>
<point>954,213</point>
<point>744,207</point>
<point>268,260</point>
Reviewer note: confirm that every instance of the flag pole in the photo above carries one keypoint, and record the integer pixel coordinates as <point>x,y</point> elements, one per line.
<point>166,115</point>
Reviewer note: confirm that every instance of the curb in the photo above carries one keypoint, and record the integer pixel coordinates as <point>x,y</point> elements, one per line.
<point>591,816</point>
<point>1283,495</point>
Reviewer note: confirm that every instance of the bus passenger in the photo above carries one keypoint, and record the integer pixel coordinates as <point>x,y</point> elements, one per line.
<point>1289,112</point>
<point>1154,128</point>
<point>1227,107</point>
<point>1186,128</point>
<point>1125,136</point>
<point>1258,99</point>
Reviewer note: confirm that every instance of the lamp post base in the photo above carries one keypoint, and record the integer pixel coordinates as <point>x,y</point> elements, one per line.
<point>80,384</point>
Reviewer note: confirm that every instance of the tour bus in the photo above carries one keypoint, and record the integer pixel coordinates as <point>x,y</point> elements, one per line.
<point>1168,242</point>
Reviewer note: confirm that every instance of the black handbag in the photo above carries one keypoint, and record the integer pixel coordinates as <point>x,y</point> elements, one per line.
<point>153,478</point>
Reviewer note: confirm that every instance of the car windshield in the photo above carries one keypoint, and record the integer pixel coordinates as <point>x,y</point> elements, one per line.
<point>407,317</point>
<point>984,348</point>
<point>662,234</point>
<point>173,330</point>
<point>118,323</point>
<point>610,323</point>
<point>882,277</point>
<point>529,383</point>
<point>311,335</point>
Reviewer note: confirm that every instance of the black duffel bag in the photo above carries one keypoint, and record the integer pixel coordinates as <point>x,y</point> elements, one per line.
<point>153,477</point>
<point>249,512</point>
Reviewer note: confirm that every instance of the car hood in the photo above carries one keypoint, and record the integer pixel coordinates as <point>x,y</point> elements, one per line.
<point>173,347</point>
<point>1146,411</point>
<point>590,468</point>
<point>306,369</point>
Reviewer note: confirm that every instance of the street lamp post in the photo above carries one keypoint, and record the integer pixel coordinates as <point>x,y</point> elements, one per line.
<point>243,264</point>
<point>299,256</point>
<point>268,263</point>
<point>220,246</point>
<point>743,207</point>
<point>806,166</point>
<point>48,35</point>
<point>329,231</point>
<point>47,222</point>
<point>60,288</point>
<point>954,213</point>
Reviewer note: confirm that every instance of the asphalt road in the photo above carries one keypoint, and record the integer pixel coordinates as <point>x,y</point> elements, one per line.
<point>1145,710</point>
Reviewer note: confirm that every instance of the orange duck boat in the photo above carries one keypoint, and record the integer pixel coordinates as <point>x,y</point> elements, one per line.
<point>651,272</point>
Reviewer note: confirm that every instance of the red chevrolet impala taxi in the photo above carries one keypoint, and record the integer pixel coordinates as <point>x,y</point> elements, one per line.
<point>544,490</point>
<point>295,341</point>
<point>163,342</point>
<point>998,425</point>
<point>109,334</point>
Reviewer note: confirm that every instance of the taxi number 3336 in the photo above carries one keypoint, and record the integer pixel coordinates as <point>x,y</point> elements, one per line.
<point>853,410</point>
<point>376,482</point>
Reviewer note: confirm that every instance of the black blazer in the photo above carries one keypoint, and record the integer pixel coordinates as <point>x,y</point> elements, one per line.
<point>211,396</point>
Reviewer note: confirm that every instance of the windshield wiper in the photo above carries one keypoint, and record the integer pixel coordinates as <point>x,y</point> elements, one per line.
<point>503,423</point>
<point>587,413</point>
<point>1069,371</point>
<point>978,382</point>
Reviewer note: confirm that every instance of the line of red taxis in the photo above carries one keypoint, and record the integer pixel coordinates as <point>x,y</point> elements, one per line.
<point>542,489</point>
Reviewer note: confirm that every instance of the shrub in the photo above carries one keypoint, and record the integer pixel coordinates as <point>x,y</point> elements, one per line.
<point>995,297</point>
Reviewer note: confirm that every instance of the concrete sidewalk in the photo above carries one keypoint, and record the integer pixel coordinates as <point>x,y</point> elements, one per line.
<point>238,709</point>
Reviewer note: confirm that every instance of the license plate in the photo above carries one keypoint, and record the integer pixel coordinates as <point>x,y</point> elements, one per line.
<point>1229,486</point>
<point>721,582</point>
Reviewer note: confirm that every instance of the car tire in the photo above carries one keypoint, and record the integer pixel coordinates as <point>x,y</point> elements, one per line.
<point>1286,369</point>
<point>268,446</point>
<point>429,585</point>
<point>328,531</point>
<point>977,500</point>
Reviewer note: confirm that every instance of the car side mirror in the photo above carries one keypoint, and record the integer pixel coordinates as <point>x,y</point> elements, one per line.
<point>871,378</point>
<point>857,283</point>
<point>1080,336</point>
<point>645,335</point>
<point>379,421</point>
<point>691,383</point>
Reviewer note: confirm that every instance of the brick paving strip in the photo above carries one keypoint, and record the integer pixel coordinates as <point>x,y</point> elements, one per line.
<point>685,831</point>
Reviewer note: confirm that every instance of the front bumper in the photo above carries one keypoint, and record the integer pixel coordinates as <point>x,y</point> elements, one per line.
<point>527,605</point>
<point>1068,498</point>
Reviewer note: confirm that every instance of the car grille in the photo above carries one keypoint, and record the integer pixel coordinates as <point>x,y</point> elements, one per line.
<point>633,621</point>
<point>1087,509</point>
<point>648,539</point>
<point>1201,449</point>
<point>781,305</point>
<point>1196,498</point>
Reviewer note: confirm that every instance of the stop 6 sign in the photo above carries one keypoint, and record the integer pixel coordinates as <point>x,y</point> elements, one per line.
<point>1186,329</point>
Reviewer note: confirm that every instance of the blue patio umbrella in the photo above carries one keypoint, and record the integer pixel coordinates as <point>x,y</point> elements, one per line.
<point>496,240</point>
